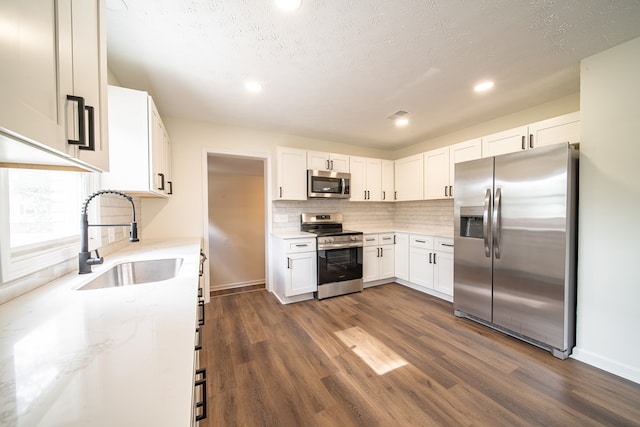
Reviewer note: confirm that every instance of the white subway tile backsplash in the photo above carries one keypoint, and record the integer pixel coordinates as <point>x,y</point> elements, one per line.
<point>433,215</point>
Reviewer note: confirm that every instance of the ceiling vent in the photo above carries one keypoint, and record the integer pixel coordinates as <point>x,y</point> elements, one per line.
<point>397,115</point>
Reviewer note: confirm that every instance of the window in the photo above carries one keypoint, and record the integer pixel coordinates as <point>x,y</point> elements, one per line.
<point>40,213</point>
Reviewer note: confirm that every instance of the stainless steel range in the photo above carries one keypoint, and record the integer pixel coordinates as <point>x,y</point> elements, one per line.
<point>339,254</point>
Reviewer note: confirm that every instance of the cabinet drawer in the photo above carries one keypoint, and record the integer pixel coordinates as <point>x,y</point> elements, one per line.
<point>370,240</point>
<point>300,245</point>
<point>386,239</point>
<point>443,244</point>
<point>419,241</point>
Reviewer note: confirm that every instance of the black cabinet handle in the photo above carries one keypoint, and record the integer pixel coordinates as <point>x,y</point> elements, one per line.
<point>446,193</point>
<point>530,140</point>
<point>434,258</point>
<point>201,320</point>
<point>81,125</point>
<point>384,195</point>
<point>395,195</point>
<point>203,403</point>
<point>161,175</point>
<point>328,167</point>
<point>91,146</point>
<point>170,183</point>
<point>430,258</point>
<point>281,192</point>
<point>523,143</point>
<point>199,341</point>
<point>451,191</point>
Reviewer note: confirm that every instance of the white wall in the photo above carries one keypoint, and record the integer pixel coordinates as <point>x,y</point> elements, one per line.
<point>609,225</point>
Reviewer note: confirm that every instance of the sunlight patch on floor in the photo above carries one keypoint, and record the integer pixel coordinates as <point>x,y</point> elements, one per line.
<point>378,356</point>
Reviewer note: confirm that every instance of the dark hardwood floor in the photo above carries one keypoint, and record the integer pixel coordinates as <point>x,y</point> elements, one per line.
<point>314,364</point>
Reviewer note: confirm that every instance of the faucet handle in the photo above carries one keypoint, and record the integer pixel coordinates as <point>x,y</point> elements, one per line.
<point>97,260</point>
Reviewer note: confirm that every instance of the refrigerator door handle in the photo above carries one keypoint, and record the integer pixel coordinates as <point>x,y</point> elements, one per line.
<point>497,222</point>
<point>486,222</point>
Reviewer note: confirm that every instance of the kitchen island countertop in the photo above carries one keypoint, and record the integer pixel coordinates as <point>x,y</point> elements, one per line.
<point>104,357</point>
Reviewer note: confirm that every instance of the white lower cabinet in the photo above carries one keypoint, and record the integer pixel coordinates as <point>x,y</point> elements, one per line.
<point>378,257</point>
<point>296,268</point>
<point>420,260</point>
<point>443,265</point>
<point>431,263</point>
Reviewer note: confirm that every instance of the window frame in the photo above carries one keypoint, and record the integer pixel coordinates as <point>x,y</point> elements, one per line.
<point>29,259</point>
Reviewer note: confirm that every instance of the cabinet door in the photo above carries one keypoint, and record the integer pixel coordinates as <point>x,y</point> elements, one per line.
<point>291,174</point>
<point>420,269</point>
<point>559,129</point>
<point>157,177</point>
<point>387,180</point>
<point>436,174</point>
<point>374,179</point>
<point>370,260</point>
<point>409,173</point>
<point>509,141</point>
<point>302,274</point>
<point>358,166</point>
<point>443,273</point>
<point>29,103</point>
<point>387,262</point>
<point>317,160</point>
<point>402,256</point>
<point>462,152</point>
<point>166,163</point>
<point>339,162</point>
<point>90,75</point>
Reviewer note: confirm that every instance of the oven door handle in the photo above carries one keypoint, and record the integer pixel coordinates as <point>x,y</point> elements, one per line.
<point>329,246</point>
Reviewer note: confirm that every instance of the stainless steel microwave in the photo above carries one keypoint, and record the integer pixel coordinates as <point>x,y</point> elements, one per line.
<point>328,184</point>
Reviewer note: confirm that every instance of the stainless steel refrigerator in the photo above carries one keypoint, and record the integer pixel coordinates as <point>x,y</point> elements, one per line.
<point>515,244</point>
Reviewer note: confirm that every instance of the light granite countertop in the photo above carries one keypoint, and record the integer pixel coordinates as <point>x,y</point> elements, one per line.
<point>107,357</point>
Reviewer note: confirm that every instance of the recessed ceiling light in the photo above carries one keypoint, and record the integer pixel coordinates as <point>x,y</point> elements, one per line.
<point>289,5</point>
<point>402,121</point>
<point>253,87</point>
<point>483,86</point>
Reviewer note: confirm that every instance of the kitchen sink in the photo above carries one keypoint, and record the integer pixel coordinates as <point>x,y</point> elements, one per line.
<point>135,273</point>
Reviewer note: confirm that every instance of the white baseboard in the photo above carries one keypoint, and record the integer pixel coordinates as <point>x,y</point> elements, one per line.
<point>631,373</point>
<point>237,285</point>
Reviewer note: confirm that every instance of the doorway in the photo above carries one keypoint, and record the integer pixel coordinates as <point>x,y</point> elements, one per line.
<point>236,222</point>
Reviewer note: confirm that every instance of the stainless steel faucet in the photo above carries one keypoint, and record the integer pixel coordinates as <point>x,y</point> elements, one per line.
<point>84,257</point>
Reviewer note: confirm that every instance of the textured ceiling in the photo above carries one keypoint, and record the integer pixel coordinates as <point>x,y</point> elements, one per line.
<point>337,69</point>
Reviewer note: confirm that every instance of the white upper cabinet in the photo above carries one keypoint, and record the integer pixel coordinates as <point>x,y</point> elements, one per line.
<point>140,147</point>
<point>508,141</point>
<point>87,35</point>
<point>409,172</point>
<point>291,164</point>
<point>559,129</point>
<point>462,152</point>
<point>388,181</point>
<point>565,128</point>
<point>358,184</point>
<point>366,179</point>
<point>37,80</point>
<point>317,160</point>
<point>436,174</point>
<point>439,165</point>
<point>29,85</point>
